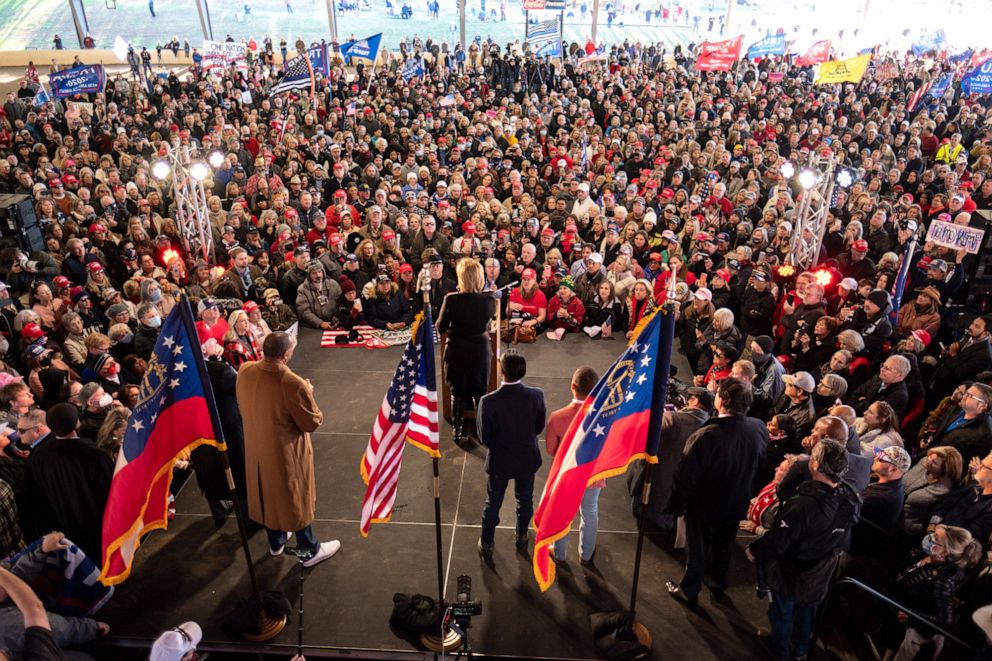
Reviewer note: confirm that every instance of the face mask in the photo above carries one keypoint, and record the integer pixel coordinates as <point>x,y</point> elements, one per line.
<point>155,322</point>
<point>758,357</point>
<point>155,295</point>
<point>928,543</point>
<point>4,345</point>
<point>105,400</point>
<point>127,339</point>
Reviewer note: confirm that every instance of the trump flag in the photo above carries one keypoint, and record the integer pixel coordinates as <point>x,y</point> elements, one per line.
<point>173,414</point>
<point>620,421</point>
<point>719,55</point>
<point>817,54</point>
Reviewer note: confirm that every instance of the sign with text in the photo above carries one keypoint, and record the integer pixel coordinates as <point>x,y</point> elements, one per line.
<point>719,55</point>
<point>88,79</point>
<point>979,80</point>
<point>956,237</point>
<point>219,55</point>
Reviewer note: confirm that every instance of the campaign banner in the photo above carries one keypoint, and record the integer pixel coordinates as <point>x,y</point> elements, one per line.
<point>939,88</point>
<point>719,55</point>
<point>773,44</point>
<point>87,79</point>
<point>978,80</point>
<point>413,68</point>
<point>533,5</point>
<point>776,76</point>
<point>319,61</point>
<point>851,70</point>
<point>219,55</point>
<point>887,70</point>
<point>960,57</point>
<point>956,237</point>
<point>367,49</point>
<point>931,41</point>
<point>548,49</point>
<point>818,53</point>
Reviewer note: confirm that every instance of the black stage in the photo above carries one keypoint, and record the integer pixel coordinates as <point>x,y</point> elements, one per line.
<point>194,572</point>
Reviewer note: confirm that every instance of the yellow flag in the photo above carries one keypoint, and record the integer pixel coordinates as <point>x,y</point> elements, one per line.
<point>851,70</point>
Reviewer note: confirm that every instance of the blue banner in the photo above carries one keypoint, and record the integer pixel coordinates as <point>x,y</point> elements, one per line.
<point>87,79</point>
<point>318,60</point>
<point>40,97</point>
<point>548,49</point>
<point>961,57</point>
<point>939,88</point>
<point>413,68</point>
<point>367,48</point>
<point>931,41</point>
<point>773,44</point>
<point>978,80</point>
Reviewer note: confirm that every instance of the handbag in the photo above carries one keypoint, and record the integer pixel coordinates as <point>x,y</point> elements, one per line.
<point>524,335</point>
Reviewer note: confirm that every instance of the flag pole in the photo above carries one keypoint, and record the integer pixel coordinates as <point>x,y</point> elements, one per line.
<point>271,625</point>
<point>652,442</point>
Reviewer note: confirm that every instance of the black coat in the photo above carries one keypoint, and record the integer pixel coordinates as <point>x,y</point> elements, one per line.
<point>971,439</point>
<point>895,395</point>
<point>756,312</point>
<point>72,478</point>
<point>715,479</point>
<point>952,370</point>
<point>509,420</point>
<point>467,354</point>
<point>206,459</point>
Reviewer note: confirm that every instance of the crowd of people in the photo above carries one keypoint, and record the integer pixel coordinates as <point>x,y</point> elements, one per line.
<point>857,435</point>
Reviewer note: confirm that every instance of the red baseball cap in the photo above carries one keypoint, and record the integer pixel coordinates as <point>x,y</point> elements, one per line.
<point>547,231</point>
<point>388,234</point>
<point>724,274</point>
<point>655,257</point>
<point>335,239</point>
<point>860,245</point>
<point>529,274</point>
<point>61,282</point>
<point>291,212</point>
<point>97,227</point>
<point>468,227</point>
<point>250,306</point>
<point>94,267</point>
<point>32,331</point>
<point>503,233</point>
<point>340,193</point>
<point>667,193</point>
<point>406,268</point>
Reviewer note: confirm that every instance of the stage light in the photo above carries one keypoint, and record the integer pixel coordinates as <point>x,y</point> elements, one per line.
<point>823,277</point>
<point>807,179</point>
<point>161,170</point>
<point>216,159</point>
<point>844,178</point>
<point>787,170</point>
<point>785,272</point>
<point>218,272</point>
<point>170,255</point>
<point>199,171</point>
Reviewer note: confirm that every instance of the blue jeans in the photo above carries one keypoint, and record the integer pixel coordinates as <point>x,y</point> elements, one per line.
<point>523,489</point>
<point>306,543</point>
<point>790,623</point>
<point>588,527</point>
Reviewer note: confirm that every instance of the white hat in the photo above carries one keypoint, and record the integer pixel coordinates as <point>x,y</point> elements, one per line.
<point>802,380</point>
<point>596,257</point>
<point>849,284</point>
<point>704,294</point>
<point>176,643</point>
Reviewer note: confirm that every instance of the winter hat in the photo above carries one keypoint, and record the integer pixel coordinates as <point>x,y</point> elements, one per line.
<point>766,343</point>
<point>567,282</point>
<point>346,284</point>
<point>879,297</point>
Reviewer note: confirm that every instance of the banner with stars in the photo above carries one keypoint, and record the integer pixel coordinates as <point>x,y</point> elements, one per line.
<point>619,422</point>
<point>173,415</point>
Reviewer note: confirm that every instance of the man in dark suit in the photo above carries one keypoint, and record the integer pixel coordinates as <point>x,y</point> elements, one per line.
<point>713,486</point>
<point>676,428</point>
<point>509,421</point>
<point>963,360</point>
<point>888,386</point>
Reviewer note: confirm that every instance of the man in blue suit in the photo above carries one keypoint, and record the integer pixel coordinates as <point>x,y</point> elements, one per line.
<point>509,421</point>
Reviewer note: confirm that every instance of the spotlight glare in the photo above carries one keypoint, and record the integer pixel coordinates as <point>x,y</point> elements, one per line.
<point>216,159</point>
<point>161,170</point>
<point>199,171</point>
<point>788,169</point>
<point>807,179</point>
<point>844,178</point>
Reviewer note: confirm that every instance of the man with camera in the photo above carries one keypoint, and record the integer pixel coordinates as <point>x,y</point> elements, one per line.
<point>798,554</point>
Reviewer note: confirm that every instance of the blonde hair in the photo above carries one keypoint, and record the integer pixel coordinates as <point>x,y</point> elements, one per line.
<point>233,319</point>
<point>962,548</point>
<point>471,276</point>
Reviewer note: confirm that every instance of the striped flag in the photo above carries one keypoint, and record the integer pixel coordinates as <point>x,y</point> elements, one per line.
<point>543,31</point>
<point>448,100</point>
<point>920,92</point>
<point>408,413</point>
<point>299,75</point>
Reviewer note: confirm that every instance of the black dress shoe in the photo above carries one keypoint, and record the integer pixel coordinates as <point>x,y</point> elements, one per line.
<point>589,564</point>
<point>522,544</point>
<point>675,592</point>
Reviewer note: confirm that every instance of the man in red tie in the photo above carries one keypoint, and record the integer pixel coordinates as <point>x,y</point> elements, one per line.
<point>583,381</point>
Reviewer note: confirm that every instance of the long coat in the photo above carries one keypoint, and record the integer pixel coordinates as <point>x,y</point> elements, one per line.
<point>279,412</point>
<point>467,355</point>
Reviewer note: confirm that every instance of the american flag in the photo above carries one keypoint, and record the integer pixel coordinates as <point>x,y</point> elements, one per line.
<point>542,31</point>
<point>299,75</point>
<point>408,413</point>
<point>920,92</point>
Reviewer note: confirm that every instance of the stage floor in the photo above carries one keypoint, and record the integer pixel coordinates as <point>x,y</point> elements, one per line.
<point>194,572</point>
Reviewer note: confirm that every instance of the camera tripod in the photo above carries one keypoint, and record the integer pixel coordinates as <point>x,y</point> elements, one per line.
<point>465,651</point>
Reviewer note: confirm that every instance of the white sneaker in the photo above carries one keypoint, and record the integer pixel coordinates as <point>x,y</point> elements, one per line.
<point>326,550</point>
<point>592,331</point>
<point>279,551</point>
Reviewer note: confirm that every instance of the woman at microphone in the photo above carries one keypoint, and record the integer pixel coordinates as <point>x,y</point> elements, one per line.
<point>465,316</point>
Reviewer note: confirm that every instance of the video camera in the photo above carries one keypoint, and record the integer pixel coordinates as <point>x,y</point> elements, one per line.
<point>464,607</point>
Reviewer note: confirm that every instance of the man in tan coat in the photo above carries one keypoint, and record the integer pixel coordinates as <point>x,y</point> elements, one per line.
<point>279,412</point>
